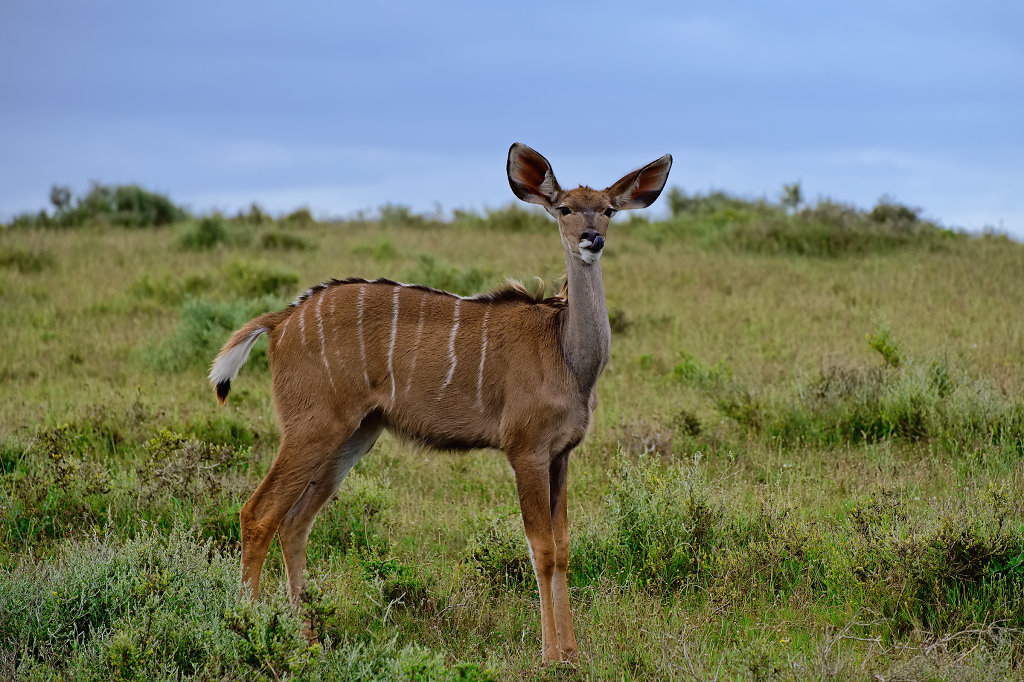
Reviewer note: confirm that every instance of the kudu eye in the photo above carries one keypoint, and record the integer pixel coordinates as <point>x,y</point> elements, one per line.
<point>564,210</point>
<point>609,212</point>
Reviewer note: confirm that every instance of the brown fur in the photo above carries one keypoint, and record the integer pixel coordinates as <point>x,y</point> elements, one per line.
<point>507,370</point>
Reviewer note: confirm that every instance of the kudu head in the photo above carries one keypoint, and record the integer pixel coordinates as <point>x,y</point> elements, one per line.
<point>582,213</point>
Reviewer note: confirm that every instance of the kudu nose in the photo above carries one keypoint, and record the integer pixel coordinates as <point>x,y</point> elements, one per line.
<point>595,239</point>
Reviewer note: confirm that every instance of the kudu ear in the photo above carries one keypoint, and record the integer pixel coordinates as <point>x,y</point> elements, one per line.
<point>531,177</point>
<point>640,188</point>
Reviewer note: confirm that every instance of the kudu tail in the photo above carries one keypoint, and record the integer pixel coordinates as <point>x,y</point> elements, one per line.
<point>236,351</point>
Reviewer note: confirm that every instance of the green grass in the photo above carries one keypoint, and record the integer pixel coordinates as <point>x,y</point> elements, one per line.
<point>806,461</point>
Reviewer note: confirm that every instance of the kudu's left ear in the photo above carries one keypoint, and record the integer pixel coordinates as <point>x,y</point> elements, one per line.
<point>531,177</point>
<point>640,188</point>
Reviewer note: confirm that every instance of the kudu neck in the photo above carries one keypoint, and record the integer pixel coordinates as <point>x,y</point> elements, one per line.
<point>584,332</point>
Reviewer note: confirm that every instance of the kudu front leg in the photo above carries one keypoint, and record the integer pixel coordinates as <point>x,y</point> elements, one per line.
<point>535,503</point>
<point>558,476</point>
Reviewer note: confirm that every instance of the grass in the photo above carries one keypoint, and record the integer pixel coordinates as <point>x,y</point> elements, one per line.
<point>806,462</point>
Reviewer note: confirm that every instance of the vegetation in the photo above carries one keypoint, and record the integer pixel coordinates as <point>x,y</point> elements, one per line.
<point>806,462</point>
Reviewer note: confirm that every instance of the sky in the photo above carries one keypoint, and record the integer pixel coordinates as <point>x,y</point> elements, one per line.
<point>342,106</point>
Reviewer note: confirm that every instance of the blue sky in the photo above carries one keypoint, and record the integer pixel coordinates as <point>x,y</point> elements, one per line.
<point>345,106</point>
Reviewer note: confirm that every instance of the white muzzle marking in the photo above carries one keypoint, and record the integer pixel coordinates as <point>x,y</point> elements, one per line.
<point>589,257</point>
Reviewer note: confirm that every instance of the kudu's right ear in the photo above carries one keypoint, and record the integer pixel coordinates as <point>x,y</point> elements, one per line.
<point>531,177</point>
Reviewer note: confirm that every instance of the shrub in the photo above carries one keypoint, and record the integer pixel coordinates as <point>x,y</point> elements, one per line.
<point>166,606</point>
<point>356,520</point>
<point>276,239</point>
<point>57,487</point>
<point>400,584</point>
<point>690,370</point>
<point>889,211</point>
<point>171,289</point>
<point>182,468</point>
<point>254,216</point>
<point>138,608</point>
<point>122,205</point>
<point>383,250</point>
<point>509,218</point>
<point>619,320</point>
<point>205,234</point>
<point>254,280</point>
<point>203,328</point>
<point>663,522</point>
<point>136,207</point>
<point>433,272</point>
<point>499,552</point>
<point>25,260</point>
<point>882,342</point>
<point>904,399</point>
<point>663,528</point>
<point>399,214</point>
<point>300,216</point>
<point>944,574</point>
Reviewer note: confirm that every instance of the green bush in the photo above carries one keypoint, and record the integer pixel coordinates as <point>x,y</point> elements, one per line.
<point>203,328</point>
<point>383,250</point>
<point>400,214</point>
<point>123,205</point>
<point>356,520</point>
<point>56,487</point>
<point>255,280</point>
<point>889,211</point>
<point>512,217</point>
<point>182,468</point>
<point>171,289</point>
<point>499,553</point>
<point>433,272</point>
<point>942,574</point>
<point>664,524</point>
<point>276,239</point>
<point>166,606</point>
<point>254,216</point>
<point>300,216</point>
<point>904,399</point>
<point>826,229</point>
<point>136,207</point>
<point>25,260</point>
<point>153,605</point>
<point>205,234</point>
<point>690,370</point>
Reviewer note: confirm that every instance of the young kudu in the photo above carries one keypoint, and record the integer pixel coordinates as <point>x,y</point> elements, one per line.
<point>504,369</point>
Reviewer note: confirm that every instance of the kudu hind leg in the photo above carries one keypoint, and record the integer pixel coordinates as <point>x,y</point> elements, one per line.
<point>298,459</point>
<point>558,477</point>
<point>297,523</point>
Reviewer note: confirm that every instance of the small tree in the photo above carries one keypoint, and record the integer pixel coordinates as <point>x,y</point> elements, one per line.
<point>60,197</point>
<point>792,196</point>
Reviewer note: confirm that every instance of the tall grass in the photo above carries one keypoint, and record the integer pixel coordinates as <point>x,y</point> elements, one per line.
<point>805,461</point>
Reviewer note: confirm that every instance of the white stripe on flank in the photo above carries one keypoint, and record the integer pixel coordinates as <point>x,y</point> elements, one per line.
<point>483,356</point>
<point>302,324</point>
<point>323,341</point>
<point>451,348</point>
<point>284,328</point>
<point>337,348</point>
<point>391,348</point>
<point>416,343</point>
<point>362,344</point>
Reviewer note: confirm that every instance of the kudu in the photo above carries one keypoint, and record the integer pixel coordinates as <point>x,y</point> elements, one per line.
<point>503,369</point>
